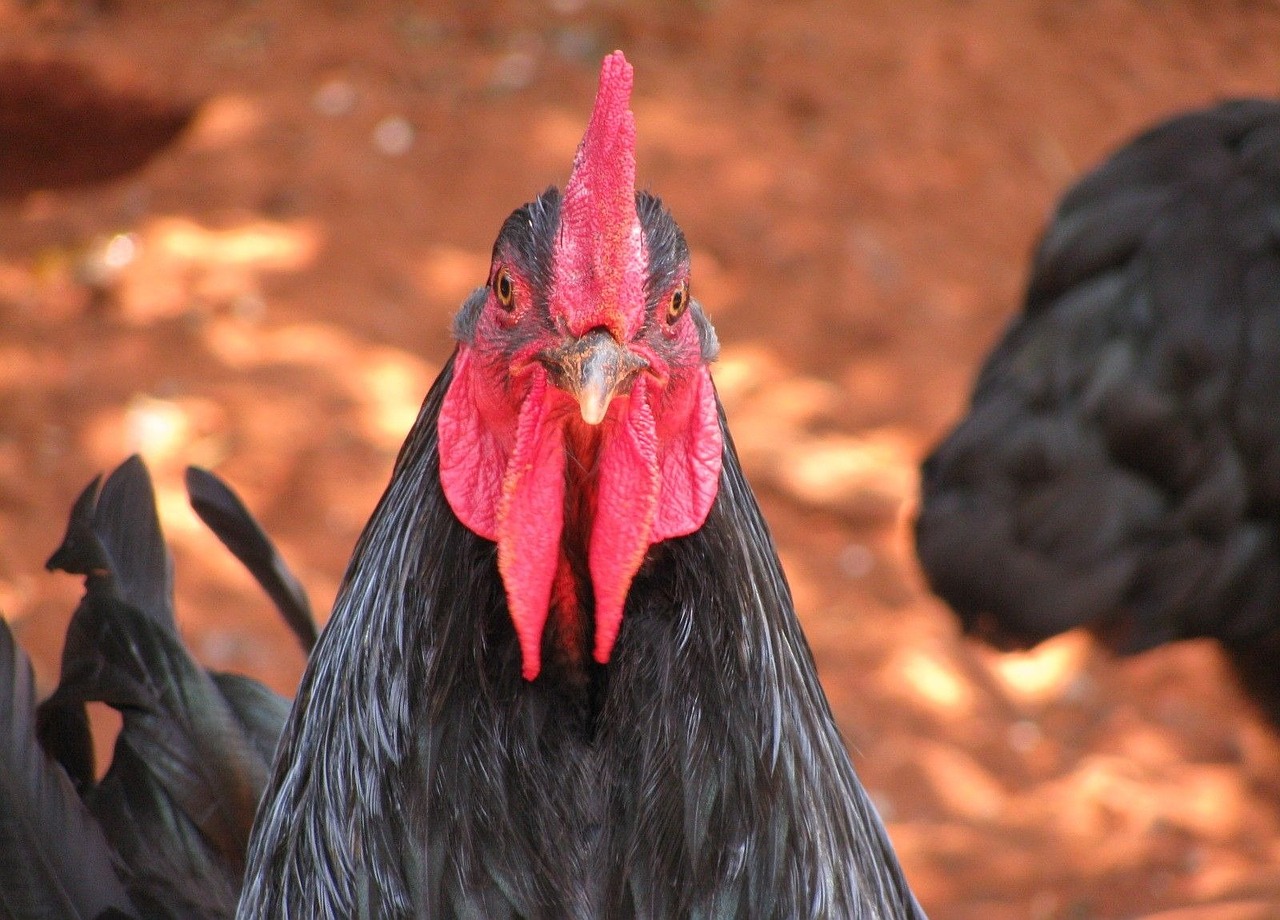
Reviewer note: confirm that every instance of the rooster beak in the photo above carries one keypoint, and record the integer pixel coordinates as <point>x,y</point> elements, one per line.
<point>593,370</point>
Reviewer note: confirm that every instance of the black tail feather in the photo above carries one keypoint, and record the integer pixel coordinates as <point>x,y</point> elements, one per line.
<point>224,514</point>
<point>114,535</point>
<point>260,712</point>
<point>80,553</point>
<point>191,759</point>
<point>66,737</point>
<point>54,860</point>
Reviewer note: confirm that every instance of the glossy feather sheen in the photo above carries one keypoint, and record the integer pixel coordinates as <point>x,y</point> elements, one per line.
<point>224,514</point>
<point>178,799</point>
<point>172,814</point>
<point>1120,463</point>
<point>54,861</point>
<point>425,772</point>
<point>698,775</point>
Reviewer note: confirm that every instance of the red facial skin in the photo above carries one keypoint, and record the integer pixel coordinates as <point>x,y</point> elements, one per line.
<point>555,469</point>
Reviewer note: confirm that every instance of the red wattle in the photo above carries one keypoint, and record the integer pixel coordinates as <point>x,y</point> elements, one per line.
<point>658,477</point>
<point>626,501</point>
<point>510,492</point>
<point>530,519</point>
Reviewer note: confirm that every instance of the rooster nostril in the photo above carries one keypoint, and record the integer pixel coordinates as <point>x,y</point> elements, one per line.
<point>593,369</point>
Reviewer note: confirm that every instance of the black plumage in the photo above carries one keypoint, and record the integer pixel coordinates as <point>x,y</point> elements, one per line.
<point>698,774</point>
<point>171,816</point>
<point>1120,462</point>
<point>224,514</point>
<point>55,862</point>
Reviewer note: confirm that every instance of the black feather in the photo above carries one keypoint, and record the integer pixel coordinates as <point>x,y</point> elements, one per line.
<point>1120,462</point>
<point>224,514</point>
<point>120,548</point>
<point>80,552</point>
<point>191,759</point>
<point>421,776</point>
<point>54,861</point>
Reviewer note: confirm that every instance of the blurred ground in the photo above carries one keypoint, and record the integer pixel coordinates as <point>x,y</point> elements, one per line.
<point>233,234</point>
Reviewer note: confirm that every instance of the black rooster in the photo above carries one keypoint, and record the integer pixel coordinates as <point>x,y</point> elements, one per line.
<point>163,833</point>
<point>1120,463</point>
<point>564,676</point>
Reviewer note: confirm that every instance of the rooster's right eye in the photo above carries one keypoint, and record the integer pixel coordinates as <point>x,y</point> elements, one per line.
<point>502,287</point>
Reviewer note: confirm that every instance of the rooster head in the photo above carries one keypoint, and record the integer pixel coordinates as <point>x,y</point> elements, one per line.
<point>580,427</point>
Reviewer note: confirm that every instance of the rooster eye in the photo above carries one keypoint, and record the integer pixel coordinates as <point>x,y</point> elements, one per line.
<point>502,287</point>
<point>679,303</point>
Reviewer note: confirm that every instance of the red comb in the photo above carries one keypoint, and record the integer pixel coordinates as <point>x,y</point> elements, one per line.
<point>599,275</point>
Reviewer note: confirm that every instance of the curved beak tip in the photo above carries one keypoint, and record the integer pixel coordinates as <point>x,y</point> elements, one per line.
<point>594,369</point>
<point>594,404</point>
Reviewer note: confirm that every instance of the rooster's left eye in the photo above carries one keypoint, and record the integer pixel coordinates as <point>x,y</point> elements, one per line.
<point>679,303</point>
<point>502,287</point>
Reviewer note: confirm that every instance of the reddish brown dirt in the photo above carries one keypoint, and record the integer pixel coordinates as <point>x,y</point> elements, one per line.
<point>861,185</point>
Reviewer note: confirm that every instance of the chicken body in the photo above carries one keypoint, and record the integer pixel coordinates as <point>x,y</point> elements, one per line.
<point>698,774</point>
<point>163,833</point>
<point>1119,466</point>
<point>465,746</point>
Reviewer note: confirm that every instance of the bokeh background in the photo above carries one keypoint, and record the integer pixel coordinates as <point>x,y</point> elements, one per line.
<point>233,233</point>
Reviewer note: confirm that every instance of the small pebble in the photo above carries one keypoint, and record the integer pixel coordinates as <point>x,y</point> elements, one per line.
<point>1044,904</point>
<point>393,136</point>
<point>120,250</point>
<point>334,98</point>
<point>856,561</point>
<point>515,71</point>
<point>105,259</point>
<point>249,307</point>
<point>1024,735</point>
<point>155,426</point>
<point>578,43</point>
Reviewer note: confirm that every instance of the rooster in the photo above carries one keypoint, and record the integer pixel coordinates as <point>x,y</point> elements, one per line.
<point>163,833</point>
<point>1119,466</point>
<point>564,676</point>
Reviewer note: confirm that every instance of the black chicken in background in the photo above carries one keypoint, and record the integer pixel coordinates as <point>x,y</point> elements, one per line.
<point>564,677</point>
<point>1119,466</point>
<point>163,833</point>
